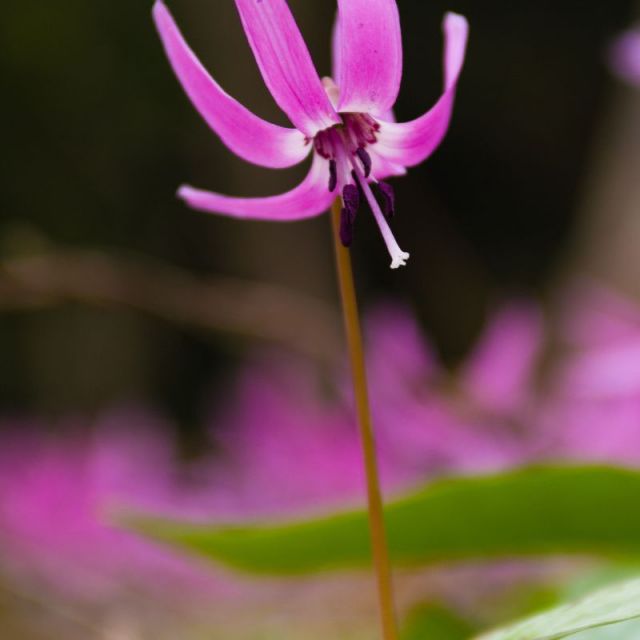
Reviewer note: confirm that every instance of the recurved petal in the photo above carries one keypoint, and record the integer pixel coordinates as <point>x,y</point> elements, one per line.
<point>336,43</point>
<point>410,143</point>
<point>247,135</point>
<point>310,198</point>
<point>388,116</point>
<point>368,55</point>
<point>286,65</point>
<point>382,168</point>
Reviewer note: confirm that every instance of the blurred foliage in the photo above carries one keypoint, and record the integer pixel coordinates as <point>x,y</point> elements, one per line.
<point>614,604</point>
<point>436,623</point>
<point>624,631</point>
<point>538,510</point>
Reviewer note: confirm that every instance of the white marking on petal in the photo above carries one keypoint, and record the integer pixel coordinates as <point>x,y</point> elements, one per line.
<point>332,91</point>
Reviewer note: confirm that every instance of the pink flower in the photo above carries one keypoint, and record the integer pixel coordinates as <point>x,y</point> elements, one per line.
<point>433,422</point>
<point>286,445</point>
<point>285,449</point>
<point>288,441</point>
<point>345,122</point>
<point>592,410</point>
<point>624,56</point>
<point>55,493</point>
<point>498,375</point>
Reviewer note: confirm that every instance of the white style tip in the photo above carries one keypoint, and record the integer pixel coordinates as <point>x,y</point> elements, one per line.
<point>399,260</point>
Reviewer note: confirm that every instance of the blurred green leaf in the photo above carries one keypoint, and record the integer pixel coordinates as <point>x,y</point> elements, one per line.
<point>435,623</point>
<point>614,604</point>
<point>538,510</point>
<point>629,630</point>
<point>597,577</point>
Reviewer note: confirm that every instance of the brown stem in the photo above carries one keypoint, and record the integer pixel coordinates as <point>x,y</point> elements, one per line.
<point>358,370</point>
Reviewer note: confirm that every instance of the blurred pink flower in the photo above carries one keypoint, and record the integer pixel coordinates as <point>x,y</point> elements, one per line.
<point>288,439</point>
<point>282,447</point>
<point>624,56</point>
<point>347,121</point>
<point>285,442</point>
<point>434,422</point>
<point>55,492</point>
<point>592,407</point>
<point>290,444</point>
<point>499,374</point>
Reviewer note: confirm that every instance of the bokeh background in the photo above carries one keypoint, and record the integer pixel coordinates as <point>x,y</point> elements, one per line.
<point>98,135</point>
<point>113,294</point>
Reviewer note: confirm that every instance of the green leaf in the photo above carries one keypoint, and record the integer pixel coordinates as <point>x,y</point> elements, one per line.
<point>538,510</point>
<point>433,622</point>
<point>629,630</point>
<point>617,603</point>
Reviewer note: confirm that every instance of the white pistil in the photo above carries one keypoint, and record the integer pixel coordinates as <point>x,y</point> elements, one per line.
<point>398,256</point>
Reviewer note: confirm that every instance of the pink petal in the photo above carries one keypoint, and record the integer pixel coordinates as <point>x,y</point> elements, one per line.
<point>308,199</point>
<point>624,56</point>
<point>412,142</point>
<point>594,316</point>
<point>336,44</point>
<point>499,373</point>
<point>388,116</point>
<point>382,168</point>
<point>286,65</point>
<point>243,132</point>
<point>605,372</point>
<point>368,55</point>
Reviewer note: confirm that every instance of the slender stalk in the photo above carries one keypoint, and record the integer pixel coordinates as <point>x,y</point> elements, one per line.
<point>356,356</point>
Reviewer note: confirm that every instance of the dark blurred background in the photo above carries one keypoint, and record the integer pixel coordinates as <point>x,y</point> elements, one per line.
<point>97,135</point>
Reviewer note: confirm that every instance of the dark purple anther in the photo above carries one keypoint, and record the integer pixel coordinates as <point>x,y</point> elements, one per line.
<point>346,228</point>
<point>365,158</point>
<point>333,175</point>
<point>387,199</point>
<point>351,200</point>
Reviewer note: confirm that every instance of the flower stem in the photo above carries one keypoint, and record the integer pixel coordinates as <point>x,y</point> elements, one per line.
<point>358,371</point>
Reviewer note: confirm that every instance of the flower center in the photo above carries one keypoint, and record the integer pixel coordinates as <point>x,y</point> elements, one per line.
<point>345,146</point>
<point>351,138</point>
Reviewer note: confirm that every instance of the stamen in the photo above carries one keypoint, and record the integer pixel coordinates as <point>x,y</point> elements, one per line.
<point>345,146</point>
<point>388,199</point>
<point>346,228</point>
<point>398,256</point>
<point>333,175</point>
<point>351,201</point>
<point>365,158</point>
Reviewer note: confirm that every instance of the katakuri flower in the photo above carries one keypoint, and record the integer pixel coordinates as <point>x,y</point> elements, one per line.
<point>346,122</point>
<point>624,56</point>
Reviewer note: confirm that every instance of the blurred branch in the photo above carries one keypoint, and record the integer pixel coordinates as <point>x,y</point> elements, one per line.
<point>245,309</point>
